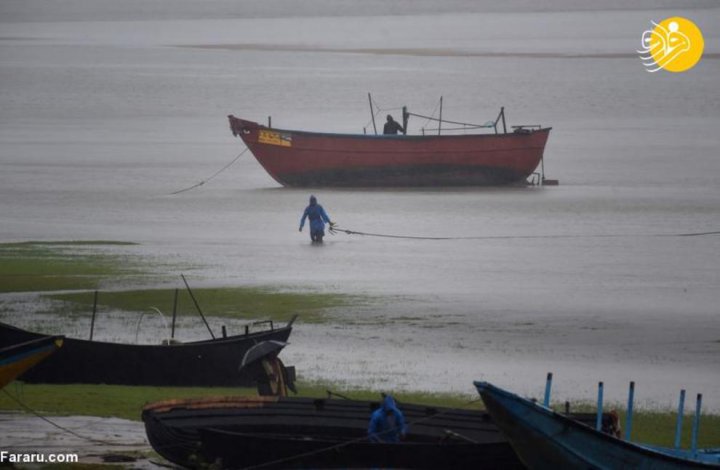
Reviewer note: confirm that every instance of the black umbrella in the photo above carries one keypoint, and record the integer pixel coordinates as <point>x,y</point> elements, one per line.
<point>262,350</point>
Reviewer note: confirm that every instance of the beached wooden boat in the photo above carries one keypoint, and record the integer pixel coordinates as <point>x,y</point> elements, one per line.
<point>17,358</point>
<point>314,159</point>
<point>230,449</point>
<point>212,362</point>
<point>174,427</point>
<point>544,439</point>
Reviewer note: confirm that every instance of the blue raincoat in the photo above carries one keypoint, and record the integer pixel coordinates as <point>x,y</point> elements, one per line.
<point>387,423</point>
<point>318,217</point>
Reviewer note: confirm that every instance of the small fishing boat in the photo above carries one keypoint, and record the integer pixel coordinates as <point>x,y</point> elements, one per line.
<point>175,430</point>
<point>544,439</point>
<point>17,358</point>
<point>319,159</point>
<point>207,363</point>
<point>241,450</point>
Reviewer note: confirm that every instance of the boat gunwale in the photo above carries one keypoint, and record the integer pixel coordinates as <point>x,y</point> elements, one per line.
<point>342,135</point>
<point>198,343</point>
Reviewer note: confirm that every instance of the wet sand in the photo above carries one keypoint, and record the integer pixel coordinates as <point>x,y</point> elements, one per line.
<point>92,439</point>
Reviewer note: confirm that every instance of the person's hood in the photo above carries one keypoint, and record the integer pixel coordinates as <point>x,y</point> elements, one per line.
<point>313,200</point>
<point>389,403</point>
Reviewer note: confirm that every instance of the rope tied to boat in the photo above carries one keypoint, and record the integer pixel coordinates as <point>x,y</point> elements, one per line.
<point>67,430</point>
<point>334,229</point>
<point>197,185</point>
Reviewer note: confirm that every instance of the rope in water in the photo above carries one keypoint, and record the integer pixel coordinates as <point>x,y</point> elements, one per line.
<point>335,229</point>
<point>213,176</point>
<point>350,442</point>
<point>64,429</point>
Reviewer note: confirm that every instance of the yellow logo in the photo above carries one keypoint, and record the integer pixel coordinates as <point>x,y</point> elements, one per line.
<point>675,44</point>
<point>275,138</point>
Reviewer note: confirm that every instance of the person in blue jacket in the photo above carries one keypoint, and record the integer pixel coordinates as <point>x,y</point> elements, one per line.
<point>318,217</point>
<point>387,423</point>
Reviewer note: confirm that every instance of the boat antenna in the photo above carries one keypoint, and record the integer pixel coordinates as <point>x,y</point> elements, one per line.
<point>196,305</point>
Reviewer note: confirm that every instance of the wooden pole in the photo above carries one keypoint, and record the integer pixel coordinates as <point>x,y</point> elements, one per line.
<point>406,117</point>
<point>598,421</point>
<point>629,417</point>
<point>92,322</point>
<point>696,425</point>
<point>548,386</point>
<point>502,112</point>
<point>679,424</point>
<point>197,306</point>
<point>372,113</point>
<point>440,120</point>
<point>175,302</point>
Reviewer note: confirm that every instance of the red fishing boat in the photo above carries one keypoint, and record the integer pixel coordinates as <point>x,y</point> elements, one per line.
<point>317,159</point>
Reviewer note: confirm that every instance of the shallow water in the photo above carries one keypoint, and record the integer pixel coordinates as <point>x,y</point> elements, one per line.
<point>104,113</point>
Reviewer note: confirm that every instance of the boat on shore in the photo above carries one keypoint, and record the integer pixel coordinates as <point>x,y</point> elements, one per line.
<point>254,430</point>
<point>228,449</point>
<point>206,363</point>
<point>544,439</point>
<point>20,357</point>
<point>297,158</point>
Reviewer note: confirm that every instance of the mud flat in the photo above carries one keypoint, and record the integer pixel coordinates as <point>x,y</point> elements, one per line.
<point>93,440</point>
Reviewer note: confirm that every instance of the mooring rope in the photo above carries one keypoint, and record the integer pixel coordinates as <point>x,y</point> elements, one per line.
<point>67,430</point>
<point>213,176</point>
<point>335,229</point>
<point>353,441</point>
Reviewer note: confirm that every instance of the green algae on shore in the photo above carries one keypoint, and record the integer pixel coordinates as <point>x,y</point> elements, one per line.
<point>649,426</point>
<point>84,266</point>
<point>35,266</point>
<point>227,302</point>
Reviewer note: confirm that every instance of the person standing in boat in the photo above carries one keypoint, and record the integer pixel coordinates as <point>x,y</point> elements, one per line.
<point>387,423</point>
<point>392,126</point>
<point>318,217</point>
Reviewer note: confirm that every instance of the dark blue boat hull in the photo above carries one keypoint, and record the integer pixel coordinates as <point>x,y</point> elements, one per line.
<point>544,439</point>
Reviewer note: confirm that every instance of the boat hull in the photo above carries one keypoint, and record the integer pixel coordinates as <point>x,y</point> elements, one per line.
<point>544,439</point>
<point>174,427</point>
<point>202,363</point>
<point>18,358</point>
<point>241,450</point>
<point>309,159</point>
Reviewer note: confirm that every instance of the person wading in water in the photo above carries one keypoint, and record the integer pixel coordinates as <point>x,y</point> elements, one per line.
<point>318,217</point>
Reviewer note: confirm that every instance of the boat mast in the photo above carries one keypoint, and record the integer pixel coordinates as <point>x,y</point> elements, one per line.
<point>405,118</point>
<point>440,119</point>
<point>197,306</point>
<point>372,114</point>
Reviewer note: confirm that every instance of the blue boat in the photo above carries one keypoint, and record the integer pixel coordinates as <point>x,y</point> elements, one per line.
<point>19,357</point>
<point>545,439</point>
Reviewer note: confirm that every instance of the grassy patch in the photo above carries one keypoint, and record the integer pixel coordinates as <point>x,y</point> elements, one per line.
<point>126,402</point>
<point>228,302</point>
<point>106,401</point>
<point>44,266</point>
<point>652,427</point>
